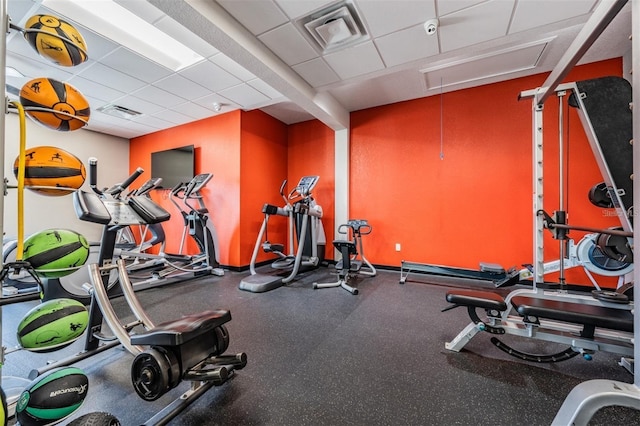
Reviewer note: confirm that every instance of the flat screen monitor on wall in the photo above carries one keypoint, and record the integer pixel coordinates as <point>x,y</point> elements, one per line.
<point>173,165</point>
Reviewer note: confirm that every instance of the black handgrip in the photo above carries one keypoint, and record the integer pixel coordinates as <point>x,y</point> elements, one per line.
<point>117,189</point>
<point>93,175</point>
<point>179,186</point>
<point>131,178</point>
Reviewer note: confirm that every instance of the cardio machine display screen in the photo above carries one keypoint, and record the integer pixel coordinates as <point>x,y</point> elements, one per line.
<point>173,166</point>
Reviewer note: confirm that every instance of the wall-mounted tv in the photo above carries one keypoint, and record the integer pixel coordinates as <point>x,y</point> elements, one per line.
<point>173,165</point>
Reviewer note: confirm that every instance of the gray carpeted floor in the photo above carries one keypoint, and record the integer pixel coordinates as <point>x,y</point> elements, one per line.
<point>326,357</point>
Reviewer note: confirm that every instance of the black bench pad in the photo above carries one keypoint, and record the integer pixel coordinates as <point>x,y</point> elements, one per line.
<point>479,299</point>
<point>174,333</point>
<point>576,313</point>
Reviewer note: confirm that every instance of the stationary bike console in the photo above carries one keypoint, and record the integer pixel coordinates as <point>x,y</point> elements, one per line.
<point>304,187</point>
<point>197,183</point>
<point>137,210</point>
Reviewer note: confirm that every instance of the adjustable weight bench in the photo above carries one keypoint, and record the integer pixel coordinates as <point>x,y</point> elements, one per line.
<point>574,323</point>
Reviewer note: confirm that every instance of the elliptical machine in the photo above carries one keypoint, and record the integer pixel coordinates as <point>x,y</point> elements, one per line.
<point>304,228</point>
<point>353,261</point>
<point>149,270</point>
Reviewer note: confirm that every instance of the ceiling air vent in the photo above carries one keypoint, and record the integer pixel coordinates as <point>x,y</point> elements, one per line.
<point>119,111</point>
<point>336,27</point>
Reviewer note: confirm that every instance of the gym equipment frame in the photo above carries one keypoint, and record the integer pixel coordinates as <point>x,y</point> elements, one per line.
<point>188,349</point>
<point>550,315</point>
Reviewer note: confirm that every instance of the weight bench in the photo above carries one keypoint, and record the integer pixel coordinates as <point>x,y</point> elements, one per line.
<point>590,316</point>
<point>581,339</point>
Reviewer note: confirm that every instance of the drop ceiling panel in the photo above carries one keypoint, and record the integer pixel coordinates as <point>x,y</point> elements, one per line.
<point>529,14</point>
<point>136,104</point>
<point>476,24</point>
<point>232,67</point>
<point>151,121</point>
<point>173,117</point>
<point>193,110</point>
<point>143,9</point>
<point>486,66</point>
<point>208,101</point>
<point>287,42</point>
<point>102,74</point>
<point>97,90</point>
<point>354,61</point>
<point>383,90</point>
<point>448,6</point>
<point>18,10</point>
<point>244,95</point>
<point>296,8</point>
<point>158,96</point>
<point>407,45</point>
<point>264,88</point>
<point>118,126</point>
<point>257,16</point>
<point>316,72</point>
<point>16,44</point>
<point>130,63</point>
<point>181,86</point>
<point>177,31</point>
<point>210,75</point>
<point>384,17</point>
<point>97,47</point>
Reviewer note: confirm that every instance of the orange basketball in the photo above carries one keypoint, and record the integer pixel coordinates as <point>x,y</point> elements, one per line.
<point>54,104</point>
<point>48,166</point>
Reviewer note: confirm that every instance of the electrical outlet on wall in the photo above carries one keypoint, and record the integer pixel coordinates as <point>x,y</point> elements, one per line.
<point>397,246</point>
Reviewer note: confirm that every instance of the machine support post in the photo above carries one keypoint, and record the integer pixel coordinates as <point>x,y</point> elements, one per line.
<point>538,196</point>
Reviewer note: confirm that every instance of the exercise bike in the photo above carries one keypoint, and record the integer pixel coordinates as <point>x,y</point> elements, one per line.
<point>304,229</point>
<point>353,262</point>
<point>188,349</point>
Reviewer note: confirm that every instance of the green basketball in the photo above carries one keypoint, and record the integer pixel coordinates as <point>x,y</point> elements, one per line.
<point>52,325</point>
<point>54,253</point>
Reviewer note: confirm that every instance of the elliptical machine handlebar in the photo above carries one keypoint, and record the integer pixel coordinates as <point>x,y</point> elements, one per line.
<point>115,190</point>
<point>147,186</point>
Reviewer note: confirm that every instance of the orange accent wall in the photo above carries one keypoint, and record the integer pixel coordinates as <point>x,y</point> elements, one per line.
<point>263,167</point>
<point>312,152</point>
<point>217,150</point>
<point>474,203</point>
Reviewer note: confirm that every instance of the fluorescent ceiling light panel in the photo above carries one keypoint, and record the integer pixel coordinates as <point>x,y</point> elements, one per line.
<point>120,25</point>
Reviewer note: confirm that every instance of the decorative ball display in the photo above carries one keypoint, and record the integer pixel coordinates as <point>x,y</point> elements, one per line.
<point>54,253</point>
<point>55,104</point>
<point>52,325</point>
<point>48,168</point>
<point>56,40</point>
<point>52,397</point>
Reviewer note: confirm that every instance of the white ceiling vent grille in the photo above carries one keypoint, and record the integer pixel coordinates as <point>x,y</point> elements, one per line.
<point>335,28</point>
<point>119,111</point>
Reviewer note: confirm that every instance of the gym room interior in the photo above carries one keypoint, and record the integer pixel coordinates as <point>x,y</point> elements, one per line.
<point>416,120</point>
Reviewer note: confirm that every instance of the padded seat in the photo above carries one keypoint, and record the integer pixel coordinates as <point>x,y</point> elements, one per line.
<point>175,333</point>
<point>475,298</point>
<point>576,313</point>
